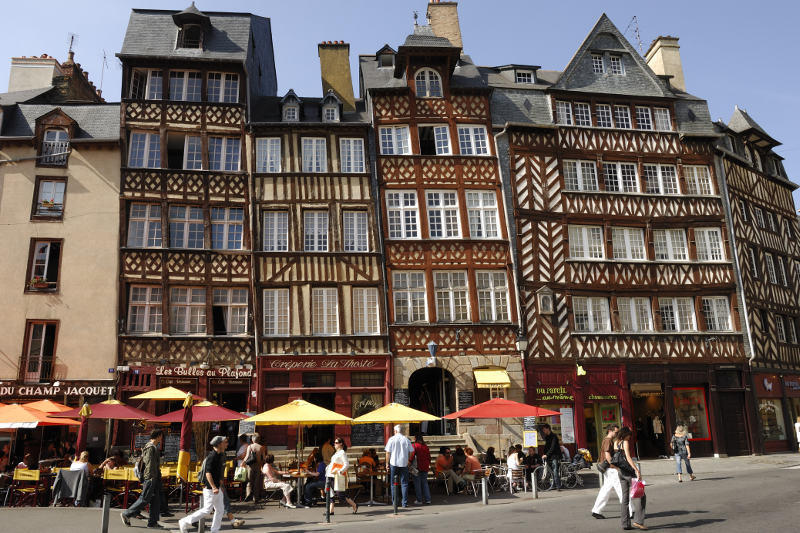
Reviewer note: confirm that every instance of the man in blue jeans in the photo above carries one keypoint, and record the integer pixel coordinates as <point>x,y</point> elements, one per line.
<point>552,454</point>
<point>151,482</point>
<point>398,454</point>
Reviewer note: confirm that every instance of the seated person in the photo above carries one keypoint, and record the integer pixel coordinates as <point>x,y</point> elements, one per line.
<point>471,464</point>
<point>532,460</point>
<point>374,454</point>
<point>368,464</point>
<point>316,481</point>
<point>117,460</point>
<point>520,453</point>
<point>444,467</point>
<point>367,459</point>
<point>49,452</point>
<point>459,457</point>
<point>565,456</point>
<point>513,463</point>
<point>310,459</point>
<point>82,463</point>
<point>273,480</point>
<point>26,461</point>
<point>490,458</point>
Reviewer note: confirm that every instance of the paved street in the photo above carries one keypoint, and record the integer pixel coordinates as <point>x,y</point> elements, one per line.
<point>737,494</point>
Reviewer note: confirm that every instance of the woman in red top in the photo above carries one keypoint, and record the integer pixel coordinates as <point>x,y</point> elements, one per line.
<point>422,457</point>
<point>471,464</point>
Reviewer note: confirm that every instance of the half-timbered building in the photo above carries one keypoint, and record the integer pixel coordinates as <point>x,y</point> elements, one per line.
<point>627,282</point>
<point>765,239</point>
<point>318,269</point>
<point>451,291</point>
<point>186,299</point>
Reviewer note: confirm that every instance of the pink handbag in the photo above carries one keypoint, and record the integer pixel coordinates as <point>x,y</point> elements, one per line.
<point>637,488</point>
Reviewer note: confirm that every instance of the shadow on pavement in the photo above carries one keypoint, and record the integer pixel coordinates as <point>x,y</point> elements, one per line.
<point>688,525</point>
<point>677,512</point>
<point>711,479</point>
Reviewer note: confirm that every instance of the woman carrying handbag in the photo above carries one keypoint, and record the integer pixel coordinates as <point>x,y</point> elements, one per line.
<point>628,471</point>
<point>337,473</point>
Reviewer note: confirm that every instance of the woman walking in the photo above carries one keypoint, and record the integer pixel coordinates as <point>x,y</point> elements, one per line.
<point>337,472</point>
<point>680,447</point>
<point>622,459</point>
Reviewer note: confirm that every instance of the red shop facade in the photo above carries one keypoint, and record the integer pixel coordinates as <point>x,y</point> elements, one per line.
<point>350,385</point>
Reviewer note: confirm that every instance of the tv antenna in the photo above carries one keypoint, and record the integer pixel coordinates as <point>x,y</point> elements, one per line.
<point>635,24</point>
<point>103,70</point>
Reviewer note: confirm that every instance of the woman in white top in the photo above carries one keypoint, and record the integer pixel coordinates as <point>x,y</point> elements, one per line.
<point>513,464</point>
<point>82,463</point>
<point>337,472</point>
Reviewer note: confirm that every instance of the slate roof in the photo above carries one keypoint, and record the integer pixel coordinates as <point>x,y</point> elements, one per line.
<point>22,96</point>
<point>424,37</point>
<point>95,121</point>
<point>153,33</point>
<point>741,121</point>
<point>268,110</point>
<point>465,74</point>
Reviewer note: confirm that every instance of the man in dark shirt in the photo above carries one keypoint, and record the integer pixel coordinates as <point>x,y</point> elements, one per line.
<point>213,499</point>
<point>552,454</point>
<point>151,482</point>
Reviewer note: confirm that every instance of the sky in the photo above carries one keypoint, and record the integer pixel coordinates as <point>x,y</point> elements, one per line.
<point>733,52</point>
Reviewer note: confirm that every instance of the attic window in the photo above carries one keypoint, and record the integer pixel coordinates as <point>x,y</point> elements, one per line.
<point>290,113</point>
<point>616,67</point>
<point>385,60</point>
<point>330,113</point>
<point>55,147</point>
<point>523,76</point>
<point>428,84</point>
<point>190,36</point>
<point>597,64</point>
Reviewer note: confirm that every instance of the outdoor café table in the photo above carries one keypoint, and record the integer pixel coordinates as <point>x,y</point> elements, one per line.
<point>372,474</point>
<point>299,476</point>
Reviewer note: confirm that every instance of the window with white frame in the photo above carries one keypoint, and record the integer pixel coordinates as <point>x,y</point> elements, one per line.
<point>428,83</point>
<point>744,211</point>
<point>330,113</point>
<point>717,313</point>
<point>325,311</point>
<point>193,153</point>
<point>492,296</point>
<point>662,119</point>
<point>315,157</point>
<point>351,153</point>
<point>771,273</point>
<point>268,154</point>
<point>354,229</point>
<point>564,113</point>
<point>144,309</point>
<point>227,226</point>
<point>434,140</point>
<point>472,140</point>
<point>482,214</point>
<point>709,244</point>
<point>590,314</point>
<point>635,314</point>
<point>276,231</point>
<point>276,312</point>
<point>698,180</point>
<point>583,114</point>
<point>185,227</point>
<point>402,214</point>
<point>223,87</point>
<point>408,291</point>
<point>780,327</point>
<point>597,64</point>
<point>291,113</point>
<point>759,216</point>
<point>315,231</point>
<point>395,140</point>
<point>586,242</point>
<point>224,153</point>
<point>621,177</point>
<point>144,226</point>
<point>50,198</point>
<point>451,296</point>
<point>622,116</point>
<point>147,84</point>
<point>644,119</point>
<point>615,65</point>
<point>580,175</point>
<point>145,150</point>
<point>751,254</point>
<point>187,310</point>
<point>604,118</point>
<point>230,311</point>
<point>628,243</point>
<point>40,351</point>
<point>443,215</point>
<point>792,329</point>
<point>660,179</point>
<point>185,86</point>
<point>781,271</point>
<point>523,76</point>
<point>55,147</point>
<point>677,314</point>
<point>670,245</point>
<point>365,311</point>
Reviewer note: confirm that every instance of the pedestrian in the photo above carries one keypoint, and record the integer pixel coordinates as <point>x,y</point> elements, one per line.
<point>552,454</point>
<point>254,461</point>
<point>273,480</point>
<point>444,467</point>
<point>150,475</point>
<point>797,431</point>
<point>423,456</point>
<point>459,458</point>
<point>610,475</point>
<point>683,452</point>
<point>213,497</point>
<point>399,452</point>
<point>627,471</point>
<point>241,451</point>
<point>336,471</point>
<point>226,503</point>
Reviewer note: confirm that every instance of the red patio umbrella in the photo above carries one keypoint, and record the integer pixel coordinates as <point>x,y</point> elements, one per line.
<point>201,412</point>
<point>83,431</point>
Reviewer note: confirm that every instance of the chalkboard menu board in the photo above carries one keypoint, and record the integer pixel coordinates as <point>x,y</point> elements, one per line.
<point>529,423</point>
<point>466,399</point>
<point>401,396</point>
<point>366,434</point>
<point>172,444</point>
<point>247,427</point>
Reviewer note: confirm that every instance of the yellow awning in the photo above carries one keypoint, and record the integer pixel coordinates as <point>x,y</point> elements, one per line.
<point>490,378</point>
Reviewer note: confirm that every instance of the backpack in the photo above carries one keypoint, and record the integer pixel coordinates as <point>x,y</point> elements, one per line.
<point>138,466</point>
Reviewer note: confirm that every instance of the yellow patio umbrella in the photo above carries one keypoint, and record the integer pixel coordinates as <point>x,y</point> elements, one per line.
<point>164,394</point>
<point>395,413</point>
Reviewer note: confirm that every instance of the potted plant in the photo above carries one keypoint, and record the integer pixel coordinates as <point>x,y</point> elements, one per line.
<point>49,204</point>
<point>38,282</point>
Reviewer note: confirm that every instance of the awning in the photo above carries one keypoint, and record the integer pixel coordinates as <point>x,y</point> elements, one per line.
<point>490,378</point>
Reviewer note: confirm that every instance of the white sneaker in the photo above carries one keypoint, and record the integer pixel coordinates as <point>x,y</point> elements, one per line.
<point>417,502</point>
<point>184,527</point>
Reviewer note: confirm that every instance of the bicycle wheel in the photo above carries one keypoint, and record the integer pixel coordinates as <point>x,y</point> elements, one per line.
<point>543,478</point>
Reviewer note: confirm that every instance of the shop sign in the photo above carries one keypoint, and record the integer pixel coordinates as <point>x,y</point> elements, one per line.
<point>43,391</point>
<point>768,386</point>
<point>220,382</point>
<point>603,393</point>
<point>297,363</point>
<point>197,372</point>
<point>557,394</point>
<point>792,386</point>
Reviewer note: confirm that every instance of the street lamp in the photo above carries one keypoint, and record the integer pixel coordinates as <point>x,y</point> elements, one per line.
<point>522,343</point>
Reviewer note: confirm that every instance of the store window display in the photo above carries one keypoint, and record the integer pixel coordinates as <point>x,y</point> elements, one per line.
<point>691,412</point>
<point>771,413</point>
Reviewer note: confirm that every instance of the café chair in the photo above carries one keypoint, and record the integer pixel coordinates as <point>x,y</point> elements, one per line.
<point>26,488</point>
<point>117,483</point>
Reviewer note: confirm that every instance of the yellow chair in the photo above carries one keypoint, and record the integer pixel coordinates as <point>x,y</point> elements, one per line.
<point>27,485</point>
<point>117,483</point>
<point>194,492</point>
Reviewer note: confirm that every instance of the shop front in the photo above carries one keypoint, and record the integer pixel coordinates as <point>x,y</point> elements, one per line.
<point>791,387</point>
<point>772,415</point>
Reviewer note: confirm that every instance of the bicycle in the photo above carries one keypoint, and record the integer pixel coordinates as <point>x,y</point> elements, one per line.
<point>544,479</point>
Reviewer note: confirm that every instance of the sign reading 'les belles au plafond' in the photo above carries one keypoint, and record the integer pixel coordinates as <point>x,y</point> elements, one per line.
<point>197,372</point>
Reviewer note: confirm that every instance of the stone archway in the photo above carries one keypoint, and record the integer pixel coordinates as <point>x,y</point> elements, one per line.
<point>433,390</point>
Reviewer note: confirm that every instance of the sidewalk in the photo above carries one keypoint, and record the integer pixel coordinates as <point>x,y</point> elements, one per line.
<point>709,465</point>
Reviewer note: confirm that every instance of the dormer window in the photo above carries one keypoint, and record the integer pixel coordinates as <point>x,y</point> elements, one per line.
<point>385,60</point>
<point>597,64</point>
<point>330,113</point>
<point>55,147</point>
<point>428,83</point>
<point>615,65</point>
<point>291,113</point>
<point>190,36</point>
<point>523,76</point>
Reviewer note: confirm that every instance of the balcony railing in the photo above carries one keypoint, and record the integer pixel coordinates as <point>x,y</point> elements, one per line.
<point>167,112</point>
<point>184,184</point>
<point>55,152</point>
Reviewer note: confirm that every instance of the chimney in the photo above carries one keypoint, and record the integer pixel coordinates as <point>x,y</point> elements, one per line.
<point>664,57</point>
<point>443,18</point>
<point>334,64</point>
<point>32,72</point>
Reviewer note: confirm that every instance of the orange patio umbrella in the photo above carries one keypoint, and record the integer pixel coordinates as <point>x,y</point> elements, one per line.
<point>48,406</point>
<point>17,416</point>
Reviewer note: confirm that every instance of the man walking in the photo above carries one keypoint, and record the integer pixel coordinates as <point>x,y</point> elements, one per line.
<point>213,498</point>
<point>610,476</point>
<point>552,454</point>
<point>398,454</point>
<point>150,474</point>
<point>254,480</point>
<point>423,456</point>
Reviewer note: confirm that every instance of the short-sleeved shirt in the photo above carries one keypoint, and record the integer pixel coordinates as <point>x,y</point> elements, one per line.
<point>214,467</point>
<point>423,455</point>
<point>471,465</point>
<point>606,446</point>
<point>443,464</point>
<point>399,448</point>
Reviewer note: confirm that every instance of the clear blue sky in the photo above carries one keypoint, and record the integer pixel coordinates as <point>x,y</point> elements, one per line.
<point>733,52</point>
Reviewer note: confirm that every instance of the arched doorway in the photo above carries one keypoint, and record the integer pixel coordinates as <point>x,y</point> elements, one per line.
<point>433,390</point>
